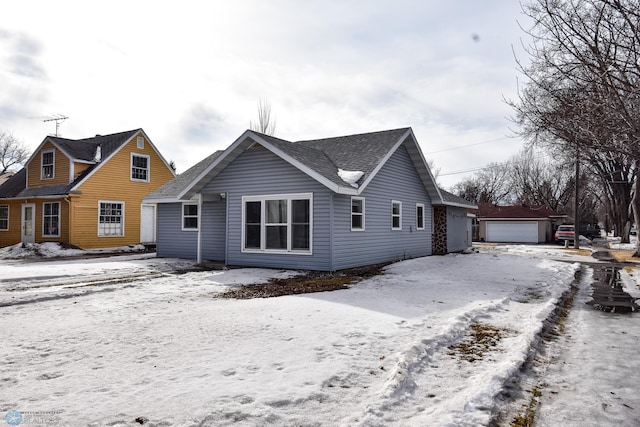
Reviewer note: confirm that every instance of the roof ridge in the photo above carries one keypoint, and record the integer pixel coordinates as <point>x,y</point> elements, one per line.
<point>352,135</point>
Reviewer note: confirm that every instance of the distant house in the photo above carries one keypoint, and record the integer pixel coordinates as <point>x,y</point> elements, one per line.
<point>517,223</point>
<point>85,192</point>
<point>325,204</point>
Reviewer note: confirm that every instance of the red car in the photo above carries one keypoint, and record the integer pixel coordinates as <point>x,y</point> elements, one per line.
<point>565,232</point>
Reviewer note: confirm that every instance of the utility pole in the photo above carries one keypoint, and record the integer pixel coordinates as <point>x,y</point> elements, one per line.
<point>576,220</point>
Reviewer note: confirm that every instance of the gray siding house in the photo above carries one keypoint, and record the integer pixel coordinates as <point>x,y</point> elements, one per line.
<point>326,204</point>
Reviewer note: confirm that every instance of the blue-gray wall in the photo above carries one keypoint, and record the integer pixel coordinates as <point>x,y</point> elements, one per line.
<point>258,172</point>
<point>172,242</point>
<point>397,180</point>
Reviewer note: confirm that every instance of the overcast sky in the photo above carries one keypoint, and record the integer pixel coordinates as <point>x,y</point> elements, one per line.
<point>190,73</point>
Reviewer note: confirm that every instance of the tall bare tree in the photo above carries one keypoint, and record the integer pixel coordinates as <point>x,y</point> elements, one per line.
<point>13,152</point>
<point>265,124</point>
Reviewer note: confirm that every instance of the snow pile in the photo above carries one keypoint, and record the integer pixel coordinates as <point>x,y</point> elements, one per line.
<point>55,250</point>
<point>350,177</point>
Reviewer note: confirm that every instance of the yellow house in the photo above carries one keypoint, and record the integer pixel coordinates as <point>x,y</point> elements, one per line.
<point>86,192</point>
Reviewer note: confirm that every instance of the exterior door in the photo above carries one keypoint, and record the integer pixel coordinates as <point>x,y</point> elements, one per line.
<point>28,223</point>
<point>147,224</point>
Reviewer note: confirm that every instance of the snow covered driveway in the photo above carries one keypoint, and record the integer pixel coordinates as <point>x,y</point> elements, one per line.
<point>392,350</point>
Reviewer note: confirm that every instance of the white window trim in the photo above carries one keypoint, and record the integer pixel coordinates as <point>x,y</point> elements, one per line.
<point>148,168</point>
<point>263,240</point>
<point>418,225</point>
<point>190,216</point>
<point>140,143</point>
<point>53,164</point>
<point>399,215</point>
<point>123,217</point>
<point>361,214</point>
<point>8,219</point>
<point>43,215</point>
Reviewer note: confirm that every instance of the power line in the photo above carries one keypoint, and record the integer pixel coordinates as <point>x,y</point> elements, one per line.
<point>468,145</point>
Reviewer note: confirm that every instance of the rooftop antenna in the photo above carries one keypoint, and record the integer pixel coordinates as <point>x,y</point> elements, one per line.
<point>58,118</point>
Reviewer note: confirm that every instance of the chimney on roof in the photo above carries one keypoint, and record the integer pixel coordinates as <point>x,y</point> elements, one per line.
<point>97,157</point>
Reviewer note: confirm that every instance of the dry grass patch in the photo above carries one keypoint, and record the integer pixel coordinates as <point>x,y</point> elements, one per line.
<point>581,252</point>
<point>481,339</point>
<point>309,282</point>
<point>623,256</point>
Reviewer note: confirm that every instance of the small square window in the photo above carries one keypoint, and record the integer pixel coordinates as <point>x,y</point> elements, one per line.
<point>4,217</point>
<point>140,143</point>
<point>190,216</point>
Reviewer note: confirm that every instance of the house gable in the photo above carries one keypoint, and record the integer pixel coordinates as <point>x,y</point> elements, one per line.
<point>58,165</point>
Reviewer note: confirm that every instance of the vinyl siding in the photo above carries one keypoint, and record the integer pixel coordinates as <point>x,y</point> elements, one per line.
<point>258,172</point>
<point>112,182</point>
<point>173,242</point>
<point>12,236</point>
<point>397,180</point>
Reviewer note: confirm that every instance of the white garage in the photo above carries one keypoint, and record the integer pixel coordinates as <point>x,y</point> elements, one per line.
<point>512,231</point>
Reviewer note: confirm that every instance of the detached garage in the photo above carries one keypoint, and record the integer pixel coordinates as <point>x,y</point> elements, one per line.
<point>516,224</point>
<point>515,231</point>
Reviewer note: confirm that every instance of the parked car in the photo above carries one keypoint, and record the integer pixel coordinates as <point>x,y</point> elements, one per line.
<point>590,231</point>
<point>633,230</point>
<point>565,232</point>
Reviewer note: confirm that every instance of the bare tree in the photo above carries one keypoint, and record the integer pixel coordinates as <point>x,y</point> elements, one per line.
<point>490,185</point>
<point>265,124</point>
<point>13,152</point>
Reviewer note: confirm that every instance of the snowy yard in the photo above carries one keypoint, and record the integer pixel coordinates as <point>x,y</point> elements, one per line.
<point>107,341</point>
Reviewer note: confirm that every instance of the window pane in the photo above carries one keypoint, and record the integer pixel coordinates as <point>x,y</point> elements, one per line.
<point>300,211</point>
<point>252,236</point>
<point>252,212</point>
<point>420,216</point>
<point>191,222</point>
<point>300,237</point>
<point>276,237</point>
<point>356,221</point>
<point>396,222</point>
<point>356,205</point>
<point>396,208</point>
<point>276,211</point>
<point>190,210</point>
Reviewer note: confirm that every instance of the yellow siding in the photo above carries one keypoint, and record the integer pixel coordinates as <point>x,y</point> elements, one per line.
<point>112,182</point>
<point>14,235</point>
<point>78,168</point>
<point>11,236</point>
<point>60,168</point>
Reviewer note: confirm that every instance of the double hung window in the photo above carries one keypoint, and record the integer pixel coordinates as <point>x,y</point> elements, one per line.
<point>51,219</point>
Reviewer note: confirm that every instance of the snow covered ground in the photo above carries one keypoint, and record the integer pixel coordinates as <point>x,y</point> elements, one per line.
<point>429,343</point>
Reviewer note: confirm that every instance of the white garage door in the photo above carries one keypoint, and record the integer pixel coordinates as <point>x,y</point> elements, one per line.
<point>519,232</point>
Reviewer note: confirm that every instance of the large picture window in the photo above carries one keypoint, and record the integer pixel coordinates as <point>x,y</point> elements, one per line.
<point>4,217</point>
<point>139,167</point>
<point>279,223</point>
<point>357,214</point>
<point>51,219</point>
<point>111,219</point>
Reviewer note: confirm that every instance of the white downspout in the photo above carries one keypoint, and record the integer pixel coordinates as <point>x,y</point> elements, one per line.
<point>199,256</point>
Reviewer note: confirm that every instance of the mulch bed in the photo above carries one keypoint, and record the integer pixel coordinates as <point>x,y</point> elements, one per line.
<point>305,283</point>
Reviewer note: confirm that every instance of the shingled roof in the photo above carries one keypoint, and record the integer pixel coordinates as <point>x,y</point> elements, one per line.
<point>319,158</point>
